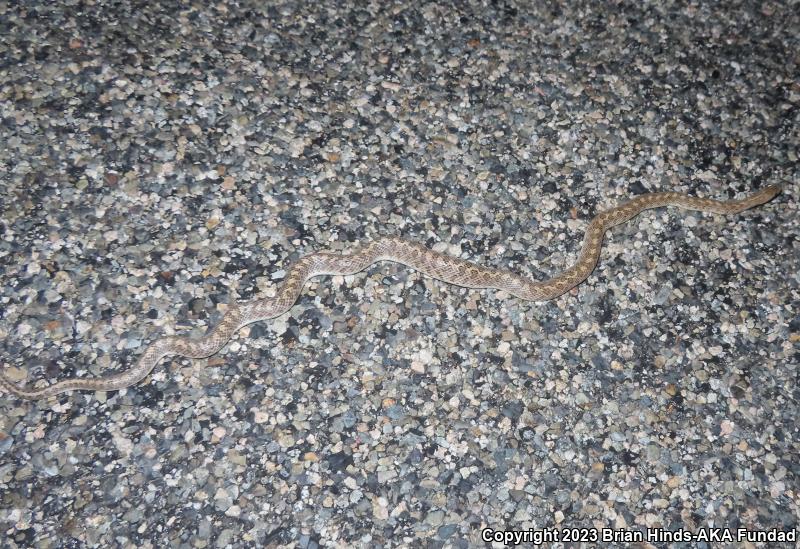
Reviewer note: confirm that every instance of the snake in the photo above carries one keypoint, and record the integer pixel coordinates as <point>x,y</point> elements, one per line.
<point>443,267</point>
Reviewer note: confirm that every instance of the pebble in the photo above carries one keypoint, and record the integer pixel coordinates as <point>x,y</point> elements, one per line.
<point>163,160</point>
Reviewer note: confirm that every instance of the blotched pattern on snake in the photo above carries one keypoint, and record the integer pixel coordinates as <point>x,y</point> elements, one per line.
<point>440,266</point>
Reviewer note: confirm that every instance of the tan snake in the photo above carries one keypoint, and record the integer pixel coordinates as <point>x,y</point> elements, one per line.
<point>440,266</point>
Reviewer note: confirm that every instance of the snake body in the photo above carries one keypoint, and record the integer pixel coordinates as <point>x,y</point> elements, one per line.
<point>436,265</point>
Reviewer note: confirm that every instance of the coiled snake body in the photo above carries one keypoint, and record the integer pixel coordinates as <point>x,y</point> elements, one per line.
<point>440,266</point>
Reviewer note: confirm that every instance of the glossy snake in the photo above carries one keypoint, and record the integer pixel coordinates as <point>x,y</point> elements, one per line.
<point>443,267</point>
